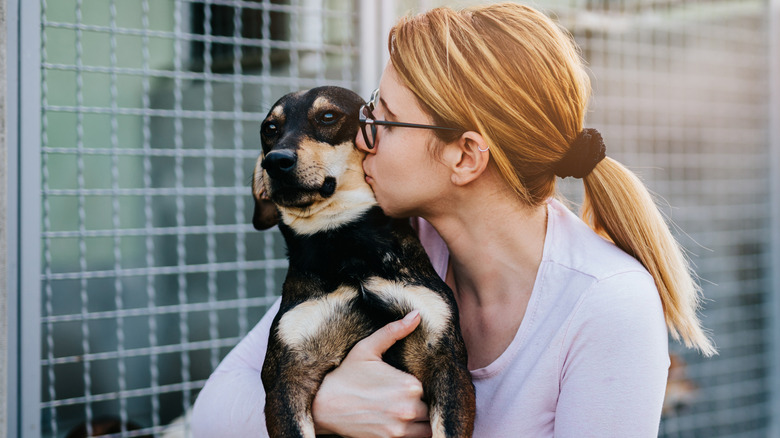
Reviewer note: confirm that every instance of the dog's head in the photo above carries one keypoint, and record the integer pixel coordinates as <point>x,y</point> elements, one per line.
<point>310,168</point>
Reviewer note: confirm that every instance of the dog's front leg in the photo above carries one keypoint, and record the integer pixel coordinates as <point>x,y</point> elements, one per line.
<point>290,386</point>
<point>452,402</point>
<point>307,342</point>
<point>446,382</point>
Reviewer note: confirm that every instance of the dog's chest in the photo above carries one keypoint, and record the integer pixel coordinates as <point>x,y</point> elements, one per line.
<point>345,284</point>
<point>348,255</point>
<point>349,313</point>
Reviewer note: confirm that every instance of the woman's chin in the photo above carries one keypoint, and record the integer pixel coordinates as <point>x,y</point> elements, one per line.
<point>390,211</point>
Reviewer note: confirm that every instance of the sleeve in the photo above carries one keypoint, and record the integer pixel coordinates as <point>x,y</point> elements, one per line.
<point>614,362</point>
<point>231,403</point>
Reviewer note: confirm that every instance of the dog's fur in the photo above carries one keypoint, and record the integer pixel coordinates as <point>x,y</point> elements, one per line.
<point>352,270</point>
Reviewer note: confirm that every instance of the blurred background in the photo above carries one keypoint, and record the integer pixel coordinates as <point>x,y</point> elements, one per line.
<point>137,136</point>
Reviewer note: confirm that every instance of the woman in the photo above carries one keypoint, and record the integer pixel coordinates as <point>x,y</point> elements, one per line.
<point>565,323</point>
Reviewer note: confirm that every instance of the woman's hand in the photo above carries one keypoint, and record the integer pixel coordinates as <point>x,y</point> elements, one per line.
<point>366,397</point>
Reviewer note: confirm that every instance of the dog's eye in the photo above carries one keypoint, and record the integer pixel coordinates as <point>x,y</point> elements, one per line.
<point>269,129</point>
<point>328,118</point>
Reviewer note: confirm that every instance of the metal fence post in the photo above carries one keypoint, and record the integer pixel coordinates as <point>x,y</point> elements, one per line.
<point>5,381</point>
<point>11,282</point>
<point>774,192</point>
<point>28,145</point>
<point>369,57</point>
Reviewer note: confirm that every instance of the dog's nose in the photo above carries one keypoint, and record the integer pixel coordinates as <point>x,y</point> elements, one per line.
<point>280,163</point>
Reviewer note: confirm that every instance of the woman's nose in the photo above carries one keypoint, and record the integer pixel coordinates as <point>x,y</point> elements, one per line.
<point>360,142</point>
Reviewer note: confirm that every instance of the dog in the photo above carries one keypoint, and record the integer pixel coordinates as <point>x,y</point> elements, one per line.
<point>352,269</point>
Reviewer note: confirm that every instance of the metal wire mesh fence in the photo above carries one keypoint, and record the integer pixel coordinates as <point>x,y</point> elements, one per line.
<point>150,113</point>
<point>149,118</point>
<point>681,95</point>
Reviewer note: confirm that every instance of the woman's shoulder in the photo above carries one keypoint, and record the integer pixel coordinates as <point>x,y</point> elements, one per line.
<point>572,244</point>
<point>610,284</point>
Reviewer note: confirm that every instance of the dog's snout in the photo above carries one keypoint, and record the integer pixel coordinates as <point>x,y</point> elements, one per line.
<point>280,163</point>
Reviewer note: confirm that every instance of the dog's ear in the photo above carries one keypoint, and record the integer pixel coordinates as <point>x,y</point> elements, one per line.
<point>266,214</point>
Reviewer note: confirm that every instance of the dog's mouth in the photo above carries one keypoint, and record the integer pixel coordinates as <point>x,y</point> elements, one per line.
<point>299,196</point>
<point>328,187</point>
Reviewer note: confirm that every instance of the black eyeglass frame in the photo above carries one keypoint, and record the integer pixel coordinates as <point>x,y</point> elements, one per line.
<point>367,110</point>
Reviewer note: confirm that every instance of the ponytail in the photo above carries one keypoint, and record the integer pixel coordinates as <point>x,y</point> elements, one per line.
<point>619,207</point>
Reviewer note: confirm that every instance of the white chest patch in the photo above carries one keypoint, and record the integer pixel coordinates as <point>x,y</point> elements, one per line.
<point>306,319</point>
<point>434,311</point>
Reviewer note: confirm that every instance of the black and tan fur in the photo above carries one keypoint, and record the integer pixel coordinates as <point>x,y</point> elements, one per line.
<point>352,270</point>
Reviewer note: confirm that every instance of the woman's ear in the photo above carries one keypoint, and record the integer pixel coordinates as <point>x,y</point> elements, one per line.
<point>467,157</point>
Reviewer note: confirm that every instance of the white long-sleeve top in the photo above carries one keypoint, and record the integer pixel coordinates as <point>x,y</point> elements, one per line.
<point>590,358</point>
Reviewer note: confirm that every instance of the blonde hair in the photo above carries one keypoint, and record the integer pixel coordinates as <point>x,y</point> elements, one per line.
<point>510,73</point>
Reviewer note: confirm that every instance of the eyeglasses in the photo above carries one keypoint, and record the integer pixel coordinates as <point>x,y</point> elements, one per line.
<point>367,119</point>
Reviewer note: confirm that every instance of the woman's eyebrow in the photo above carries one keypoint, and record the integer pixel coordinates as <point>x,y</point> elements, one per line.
<point>387,108</point>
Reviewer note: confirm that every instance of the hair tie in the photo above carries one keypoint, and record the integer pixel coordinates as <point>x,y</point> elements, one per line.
<point>584,154</point>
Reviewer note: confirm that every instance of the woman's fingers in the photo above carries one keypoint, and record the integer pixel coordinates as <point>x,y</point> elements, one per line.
<point>366,397</point>
<point>375,345</point>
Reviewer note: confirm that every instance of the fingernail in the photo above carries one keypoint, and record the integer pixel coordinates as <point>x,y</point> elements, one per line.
<point>411,316</point>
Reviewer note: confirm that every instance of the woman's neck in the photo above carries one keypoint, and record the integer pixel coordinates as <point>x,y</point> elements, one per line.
<point>496,245</point>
